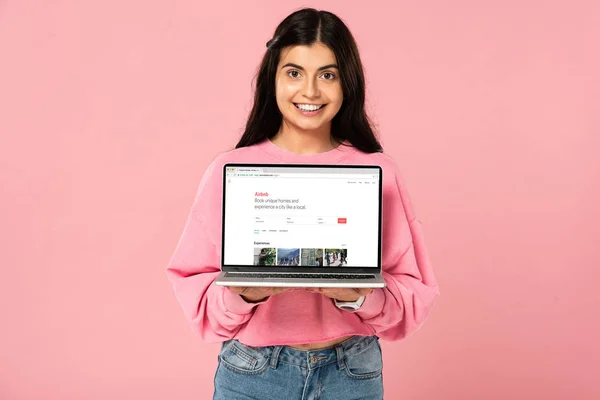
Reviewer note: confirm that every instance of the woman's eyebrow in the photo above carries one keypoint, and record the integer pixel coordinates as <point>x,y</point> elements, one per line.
<point>302,69</point>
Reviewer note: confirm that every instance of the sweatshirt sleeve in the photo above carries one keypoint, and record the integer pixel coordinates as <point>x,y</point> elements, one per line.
<point>213,311</point>
<point>399,309</point>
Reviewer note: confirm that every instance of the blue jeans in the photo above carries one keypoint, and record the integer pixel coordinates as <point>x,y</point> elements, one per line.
<point>349,370</point>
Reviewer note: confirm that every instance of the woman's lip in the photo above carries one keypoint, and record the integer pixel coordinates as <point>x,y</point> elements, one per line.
<point>307,104</point>
<point>309,113</point>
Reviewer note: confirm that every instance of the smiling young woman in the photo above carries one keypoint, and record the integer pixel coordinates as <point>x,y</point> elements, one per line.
<point>280,343</point>
<point>309,95</point>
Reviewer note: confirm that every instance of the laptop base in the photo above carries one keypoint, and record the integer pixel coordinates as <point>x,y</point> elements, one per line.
<point>300,280</point>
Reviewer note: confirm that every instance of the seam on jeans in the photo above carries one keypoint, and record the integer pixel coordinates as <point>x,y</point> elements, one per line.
<point>322,365</point>
<point>291,363</point>
<point>340,357</point>
<point>367,347</point>
<point>306,384</point>
<point>238,370</point>
<point>319,389</point>
<point>246,357</point>
<point>274,357</point>
<point>370,375</point>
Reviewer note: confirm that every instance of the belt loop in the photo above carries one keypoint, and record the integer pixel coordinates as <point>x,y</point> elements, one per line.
<point>340,356</point>
<point>275,356</point>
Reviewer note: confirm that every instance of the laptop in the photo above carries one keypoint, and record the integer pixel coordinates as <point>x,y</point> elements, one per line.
<point>301,225</point>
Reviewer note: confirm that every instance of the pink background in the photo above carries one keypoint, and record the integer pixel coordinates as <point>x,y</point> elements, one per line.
<point>111,110</point>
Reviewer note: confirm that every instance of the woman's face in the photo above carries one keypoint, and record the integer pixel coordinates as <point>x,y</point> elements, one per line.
<point>308,87</point>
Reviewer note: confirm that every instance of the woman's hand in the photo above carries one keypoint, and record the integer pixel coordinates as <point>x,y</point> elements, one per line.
<point>342,294</point>
<point>257,294</point>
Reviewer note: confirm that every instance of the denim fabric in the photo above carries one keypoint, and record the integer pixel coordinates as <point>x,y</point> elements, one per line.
<point>351,370</point>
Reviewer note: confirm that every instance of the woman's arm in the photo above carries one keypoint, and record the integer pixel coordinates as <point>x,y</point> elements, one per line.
<point>400,308</point>
<point>213,311</point>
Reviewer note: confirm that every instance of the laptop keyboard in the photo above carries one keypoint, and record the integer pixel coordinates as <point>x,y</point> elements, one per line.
<point>292,276</point>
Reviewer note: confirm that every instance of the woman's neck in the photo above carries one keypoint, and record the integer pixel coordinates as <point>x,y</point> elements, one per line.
<point>304,142</point>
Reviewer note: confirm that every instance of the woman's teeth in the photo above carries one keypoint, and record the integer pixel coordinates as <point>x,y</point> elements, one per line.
<point>308,107</point>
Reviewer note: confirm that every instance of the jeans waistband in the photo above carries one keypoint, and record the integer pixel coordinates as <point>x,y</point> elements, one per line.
<point>312,359</point>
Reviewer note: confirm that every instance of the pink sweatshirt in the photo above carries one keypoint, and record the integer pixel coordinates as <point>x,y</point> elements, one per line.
<point>298,316</point>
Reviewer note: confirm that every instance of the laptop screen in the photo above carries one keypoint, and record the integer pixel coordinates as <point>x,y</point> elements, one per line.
<point>301,216</point>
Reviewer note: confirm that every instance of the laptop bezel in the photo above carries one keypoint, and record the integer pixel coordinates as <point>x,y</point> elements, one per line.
<point>303,269</point>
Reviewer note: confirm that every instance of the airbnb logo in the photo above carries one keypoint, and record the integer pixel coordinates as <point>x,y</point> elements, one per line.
<point>261,194</point>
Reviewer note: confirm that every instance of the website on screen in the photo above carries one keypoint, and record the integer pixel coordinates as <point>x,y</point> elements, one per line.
<point>314,217</point>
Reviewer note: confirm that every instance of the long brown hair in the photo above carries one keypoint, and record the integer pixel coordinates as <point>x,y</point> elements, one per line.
<point>306,27</point>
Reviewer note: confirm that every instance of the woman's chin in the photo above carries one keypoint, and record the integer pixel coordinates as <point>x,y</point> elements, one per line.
<point>309,127</point>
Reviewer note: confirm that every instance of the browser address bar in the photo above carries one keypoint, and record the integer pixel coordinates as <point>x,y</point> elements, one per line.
<point>317,176</point>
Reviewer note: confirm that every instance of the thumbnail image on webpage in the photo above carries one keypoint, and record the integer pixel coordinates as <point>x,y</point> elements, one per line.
<point>292,257</point>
